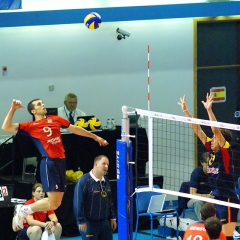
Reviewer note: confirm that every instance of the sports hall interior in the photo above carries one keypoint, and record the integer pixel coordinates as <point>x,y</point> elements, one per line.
<point>47,44</point>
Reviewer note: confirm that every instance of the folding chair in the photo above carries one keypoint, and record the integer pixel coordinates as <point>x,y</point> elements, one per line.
<point>142,202</point>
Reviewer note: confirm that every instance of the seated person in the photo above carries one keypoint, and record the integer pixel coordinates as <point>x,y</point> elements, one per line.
<point>207,211</point>
<point>199,185</point>
<point>197,229</point>
<point>37,222</point>
<point>213,227</point>
<point>69,110</point>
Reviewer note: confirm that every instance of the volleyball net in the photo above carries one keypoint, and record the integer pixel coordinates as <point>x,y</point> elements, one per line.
<point>173,150</point>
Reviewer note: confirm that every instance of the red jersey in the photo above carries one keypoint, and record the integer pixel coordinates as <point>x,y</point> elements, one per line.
<point>46,135</point>
<point>197,231</point>
<point>40,216</point>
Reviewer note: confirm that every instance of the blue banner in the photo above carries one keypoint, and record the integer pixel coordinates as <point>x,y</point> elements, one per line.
<point>124,190</point>
<point>10,4</point>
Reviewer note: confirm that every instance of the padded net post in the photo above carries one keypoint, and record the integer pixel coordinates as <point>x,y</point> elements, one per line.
<point>124,181</point>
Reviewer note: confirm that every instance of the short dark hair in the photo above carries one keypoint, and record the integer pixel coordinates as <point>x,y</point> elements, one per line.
<point>30,106</point>
<point>227,134</point>
<point>213,227</point>
<point>204,157</point>
<point>99,158</point>
<point>208,210</point>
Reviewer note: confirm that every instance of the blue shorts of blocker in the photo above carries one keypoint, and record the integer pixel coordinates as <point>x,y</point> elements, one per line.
<point>227,214</point>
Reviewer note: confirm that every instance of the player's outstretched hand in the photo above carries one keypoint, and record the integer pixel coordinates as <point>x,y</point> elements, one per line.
<point>16,104</point>
<point>101,141</point>
<point>182,102</point>
<point>209,101</point>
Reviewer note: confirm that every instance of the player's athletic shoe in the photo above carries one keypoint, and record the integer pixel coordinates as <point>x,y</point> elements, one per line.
<point>18,217</point>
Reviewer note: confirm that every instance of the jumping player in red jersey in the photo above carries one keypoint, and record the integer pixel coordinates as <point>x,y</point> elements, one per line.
<point>220,167</point>
<point>45,132</point>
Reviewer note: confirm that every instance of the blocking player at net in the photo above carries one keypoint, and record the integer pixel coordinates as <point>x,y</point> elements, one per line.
<point>220,166</point>
<point>45,132</point>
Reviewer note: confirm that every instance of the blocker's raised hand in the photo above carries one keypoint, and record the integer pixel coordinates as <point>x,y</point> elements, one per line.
<point>182,102</point>
<point>209,101</point>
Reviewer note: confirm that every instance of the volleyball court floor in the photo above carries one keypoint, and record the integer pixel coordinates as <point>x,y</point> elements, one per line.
<point>115,236</point>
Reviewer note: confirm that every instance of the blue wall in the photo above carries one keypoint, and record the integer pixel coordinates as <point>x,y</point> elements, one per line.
<point>10,19</point>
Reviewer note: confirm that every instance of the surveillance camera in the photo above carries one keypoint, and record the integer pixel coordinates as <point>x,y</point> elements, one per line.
<point>122,34</point>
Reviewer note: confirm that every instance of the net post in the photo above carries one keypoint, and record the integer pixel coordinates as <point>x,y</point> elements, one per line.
<point>124,181</point>
<point>125,125</point>
<point>150,152</point>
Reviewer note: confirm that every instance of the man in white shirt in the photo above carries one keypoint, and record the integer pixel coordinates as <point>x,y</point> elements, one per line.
<point>69,110</point>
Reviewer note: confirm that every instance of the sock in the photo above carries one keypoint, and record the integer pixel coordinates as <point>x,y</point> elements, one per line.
<point>26,209</point>
<point>229,237</point>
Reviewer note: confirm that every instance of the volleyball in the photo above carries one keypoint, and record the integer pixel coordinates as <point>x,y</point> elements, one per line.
<point>94,124</point>
<point>92,20</point>
<point>81,123</point>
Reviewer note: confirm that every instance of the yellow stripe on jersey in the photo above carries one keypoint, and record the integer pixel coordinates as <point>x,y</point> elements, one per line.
<point>208,139</point>
<point>226,145</point>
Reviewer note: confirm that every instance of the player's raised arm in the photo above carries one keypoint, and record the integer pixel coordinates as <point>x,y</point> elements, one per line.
<point>7,125</point>
<point>216,131</point>
<point>195,127</point>
<point>82,132</point>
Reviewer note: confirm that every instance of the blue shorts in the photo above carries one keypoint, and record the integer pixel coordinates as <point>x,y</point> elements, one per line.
<point>227,214</point>
<point>22,234</point>
<point>53,174</point>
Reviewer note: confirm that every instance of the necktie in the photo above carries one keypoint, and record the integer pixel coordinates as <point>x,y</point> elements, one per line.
<point>71,118</point>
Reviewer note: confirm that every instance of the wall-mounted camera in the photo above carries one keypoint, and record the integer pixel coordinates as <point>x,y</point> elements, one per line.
<point>122,34</point>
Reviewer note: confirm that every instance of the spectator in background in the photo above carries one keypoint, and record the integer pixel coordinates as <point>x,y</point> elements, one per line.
<point>213,227</point>
<point>199,185</point>
<point>92,203</point>
<point>69,110</point>
<point>197,230</point>
<point>36,223</point>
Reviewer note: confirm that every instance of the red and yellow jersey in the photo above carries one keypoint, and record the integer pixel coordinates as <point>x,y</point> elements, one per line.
<point>220,171</point>
<point>40,216</point>
<point>197,231</point>
<point>46,135</point>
